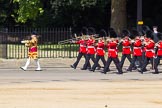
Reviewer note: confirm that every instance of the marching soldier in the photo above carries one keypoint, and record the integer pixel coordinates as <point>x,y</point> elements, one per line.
<point>137,50</point>
<point>90,52</point>
<point>82,51</point>
<point>158,47</point>
<point>149,54</point>
<point>33,52</point>
<point>126,49</point>
<point>100,51</point>
<point>112,53</point>
<point>144,39</point>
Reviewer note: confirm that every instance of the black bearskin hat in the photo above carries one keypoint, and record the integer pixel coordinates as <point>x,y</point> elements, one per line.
<point>84,31</point>
<point>125,33</point>
<point>102,33</point>
<point>112,34</point>
<point>145,29</point>
<point>134,33</point>
<point>91,31</point>
<point>149,34</point>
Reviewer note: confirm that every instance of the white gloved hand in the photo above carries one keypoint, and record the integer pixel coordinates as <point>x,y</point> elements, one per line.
<point>121,40</point>
<point>132,41</point>
<point>23,41</point>
<point>155,57</point>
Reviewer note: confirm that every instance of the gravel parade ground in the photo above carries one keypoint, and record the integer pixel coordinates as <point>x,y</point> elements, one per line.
<point>59,86</point>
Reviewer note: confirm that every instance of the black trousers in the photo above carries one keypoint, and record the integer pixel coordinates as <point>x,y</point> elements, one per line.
<point>78,59</point>
<point>88,57</point>
<point>146,62</point>
<point>134,59</point>
<point>143,56</point>
<point>157,62</point>
<point>98,57</point>
<point>116,62</point>
<point>124,56</point>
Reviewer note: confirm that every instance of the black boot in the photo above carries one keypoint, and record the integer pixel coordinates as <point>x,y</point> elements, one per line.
<point>140,70</point>
<point>103,72</point>
<point>129,70</point>
<point>119,73</point>
<point>155,72</point>
<point>83,69</point>
<point>72,66</point>
<point>92,70</point>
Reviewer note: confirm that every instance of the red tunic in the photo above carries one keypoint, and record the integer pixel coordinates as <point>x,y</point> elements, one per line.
<point>150,48</point>
<point>82,44</point>
<point>137,50</point>
<point>90,46</point>
<point>159,52</point>
<point>112,49</point>
<point>33,49</point>
<point>100,48</point>
<point>126,46</point>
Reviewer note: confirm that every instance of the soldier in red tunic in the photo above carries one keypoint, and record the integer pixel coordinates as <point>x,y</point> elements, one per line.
<point>158,46</point>
<point>149,54</point>
<point>100,53</point>
<point>144,39</point>
<point>82,51</point>
<point>126,47</point>
<point>112,53</point>
<point>90,52</point>
<point>137,50</point>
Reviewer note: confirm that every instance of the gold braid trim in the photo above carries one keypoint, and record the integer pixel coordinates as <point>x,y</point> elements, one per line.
<point>33,55</point>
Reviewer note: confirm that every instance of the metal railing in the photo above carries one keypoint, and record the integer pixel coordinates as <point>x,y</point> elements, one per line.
<point>11,47</point>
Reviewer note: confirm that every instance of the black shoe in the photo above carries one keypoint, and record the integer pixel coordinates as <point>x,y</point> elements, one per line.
<point>107,70</point>
<point>91,70</point>
<point>83,69</point>
<point>104,72</point>
<point>22,68</point>
<point>141,71</point>
<point>119,73</point>
<point>129,70</point>
<point>134,68</point>
<point>155,72</point>
<point>38,70</point>
<point>72,66</point>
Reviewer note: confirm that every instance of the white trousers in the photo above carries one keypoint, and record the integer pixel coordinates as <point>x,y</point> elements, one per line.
<point>28,62</point>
